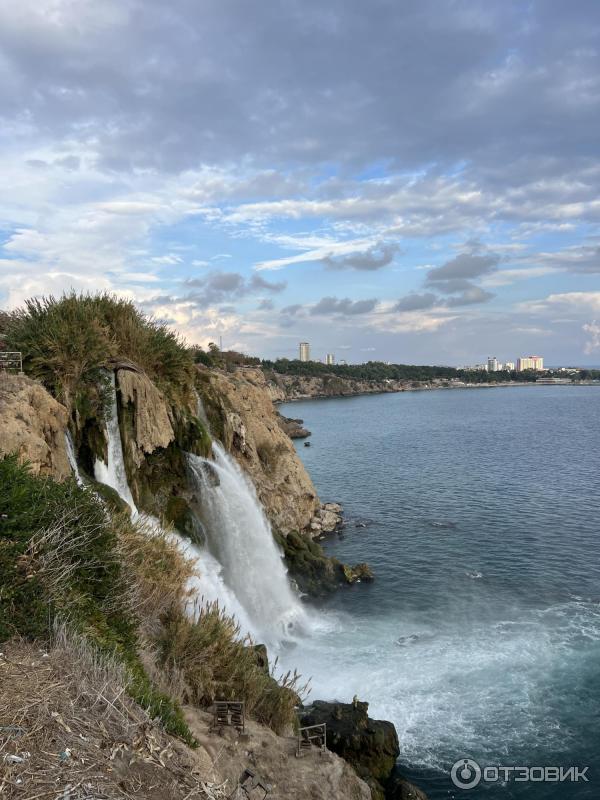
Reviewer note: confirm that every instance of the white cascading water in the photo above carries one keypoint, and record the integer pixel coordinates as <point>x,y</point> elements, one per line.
<point>113,473</point>
<point>71,456</point>
<point>261,598</point>
<point>240,537</point>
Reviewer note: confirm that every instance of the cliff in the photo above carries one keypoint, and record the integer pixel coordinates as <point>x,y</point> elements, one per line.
<point>284,388</point>
<point>33,425</point>
<point>240,410</point>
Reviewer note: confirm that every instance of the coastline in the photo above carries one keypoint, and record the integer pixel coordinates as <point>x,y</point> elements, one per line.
<point>330,396</point>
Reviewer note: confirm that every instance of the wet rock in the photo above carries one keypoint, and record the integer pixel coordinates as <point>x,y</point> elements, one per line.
<point>370,745</point>
<point>398,788</point>
<point>358,573</point>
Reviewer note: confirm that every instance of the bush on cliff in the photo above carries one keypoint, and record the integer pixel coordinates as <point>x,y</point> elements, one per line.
<point>59,560</point>
<point>124,587</point>
<point>214,663</point>
<point>66,342</point>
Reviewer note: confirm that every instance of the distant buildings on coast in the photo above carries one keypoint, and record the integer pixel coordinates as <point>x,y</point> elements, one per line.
<point>492,364</point>
<point>523,363</point>
<point>304,355</point>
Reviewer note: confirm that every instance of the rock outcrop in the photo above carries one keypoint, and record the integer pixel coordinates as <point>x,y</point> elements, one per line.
<point>370,745</point>
<point>33,425</point>
<point>151,414</point>
<point>240,410</point>
<point>293,427</point>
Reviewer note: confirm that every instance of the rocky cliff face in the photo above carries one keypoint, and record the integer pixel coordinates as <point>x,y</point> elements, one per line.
<point>241,414</point>
<point>33,425</point>
<point>283,388</point>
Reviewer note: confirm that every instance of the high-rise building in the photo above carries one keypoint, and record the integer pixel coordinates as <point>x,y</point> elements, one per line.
<point>509,366</point>
<point>304,351</point>
<point>330,358</point>
<point>530,362</point>
<point>492,364</point>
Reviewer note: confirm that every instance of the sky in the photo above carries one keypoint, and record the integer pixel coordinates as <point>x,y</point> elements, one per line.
<point>414,181</point>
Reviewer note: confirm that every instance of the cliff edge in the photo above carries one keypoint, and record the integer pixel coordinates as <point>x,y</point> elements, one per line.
<point>241,414</point>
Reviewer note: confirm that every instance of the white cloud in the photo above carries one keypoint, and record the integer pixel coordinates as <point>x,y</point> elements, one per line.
<point>593,343</point>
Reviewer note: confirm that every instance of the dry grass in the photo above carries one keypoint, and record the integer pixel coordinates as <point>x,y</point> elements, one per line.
<point>68,730</point>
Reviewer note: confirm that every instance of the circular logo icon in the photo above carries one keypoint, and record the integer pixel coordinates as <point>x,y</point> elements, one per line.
<point>466,773</point>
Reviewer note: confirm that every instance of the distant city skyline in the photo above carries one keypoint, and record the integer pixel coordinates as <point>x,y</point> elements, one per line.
<point>428,201</point>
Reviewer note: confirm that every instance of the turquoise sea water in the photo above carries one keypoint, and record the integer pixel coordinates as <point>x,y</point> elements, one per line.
<point>480,637</point>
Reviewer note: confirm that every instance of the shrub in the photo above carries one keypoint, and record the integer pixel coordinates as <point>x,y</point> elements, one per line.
<point>59,559</point>
<point>66,342</point>
<point>216,664</point>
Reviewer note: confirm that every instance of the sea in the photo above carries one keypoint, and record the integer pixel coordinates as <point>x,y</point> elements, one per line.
<point>479,512</point>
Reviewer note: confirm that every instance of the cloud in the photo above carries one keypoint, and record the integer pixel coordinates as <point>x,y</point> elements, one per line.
<point>471,296</point>
<point>375,258</point>
<point>257,283</point>
<point>345,306</point>
<point>266,305</point>
<point>416,302</point>
<point>292,310</point>
<point>217,287</point>
<point>593,343</point>
<point>463,266</point>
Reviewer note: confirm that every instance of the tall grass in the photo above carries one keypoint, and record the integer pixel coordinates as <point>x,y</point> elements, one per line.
<point>215,663</point>
<point>67,341</point>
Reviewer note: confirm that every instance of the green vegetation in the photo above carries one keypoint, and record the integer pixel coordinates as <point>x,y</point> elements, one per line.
<point>67,342</point>
<point>216,664</point>
<point>380,371</point>
<point>59,559</point>
<point>123,587</point>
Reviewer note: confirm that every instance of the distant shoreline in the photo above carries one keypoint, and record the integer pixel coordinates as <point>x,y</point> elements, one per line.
<point>495,385</point>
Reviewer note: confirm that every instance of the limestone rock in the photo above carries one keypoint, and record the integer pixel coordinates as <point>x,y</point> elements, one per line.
<point>33,425</point>
<point>293,427</point>
<point>284,388</point>
<point>152,421</point>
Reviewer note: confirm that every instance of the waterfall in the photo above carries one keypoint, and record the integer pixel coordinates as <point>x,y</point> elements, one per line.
<point>70,447</point>
<point>113,473</point>
<point>240,537</point>
<point>244,572</point>
<point>201,411</point>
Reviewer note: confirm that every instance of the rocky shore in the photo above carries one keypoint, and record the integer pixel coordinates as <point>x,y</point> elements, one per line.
<point>288,388</point>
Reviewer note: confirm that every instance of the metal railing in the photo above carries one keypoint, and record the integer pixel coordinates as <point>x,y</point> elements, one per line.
<point>311,736</point>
